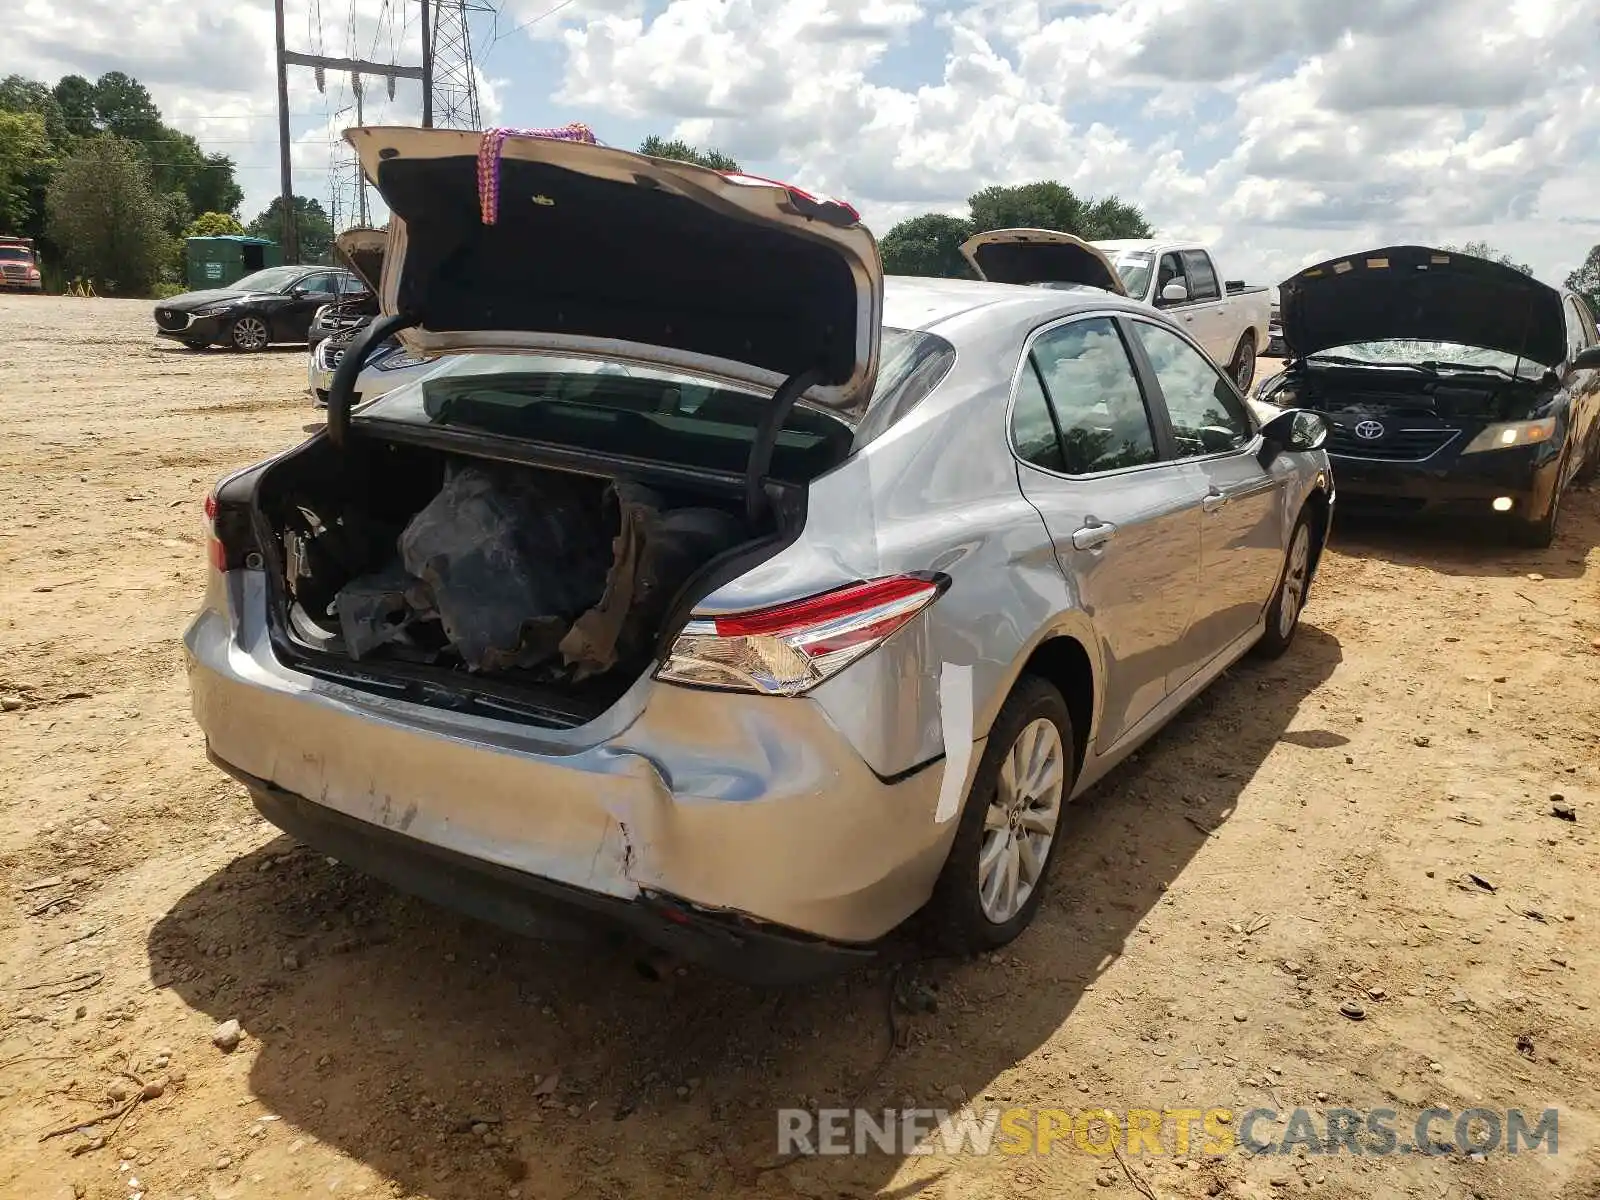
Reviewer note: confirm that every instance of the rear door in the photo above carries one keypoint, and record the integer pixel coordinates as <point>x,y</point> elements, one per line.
<point>1215,441</point>
<point>1125,522</point>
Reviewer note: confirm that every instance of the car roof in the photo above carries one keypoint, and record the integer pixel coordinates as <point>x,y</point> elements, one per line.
<point>921,303</point>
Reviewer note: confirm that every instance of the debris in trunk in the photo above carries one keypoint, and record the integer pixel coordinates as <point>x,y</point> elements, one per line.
<point>380,608</point>
<point>532,571</point>
<point>509,561</point>
<point>652,556</point>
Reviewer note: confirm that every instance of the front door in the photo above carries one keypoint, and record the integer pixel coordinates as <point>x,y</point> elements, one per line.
<point>1244,529</point>
<point>1124,521</point>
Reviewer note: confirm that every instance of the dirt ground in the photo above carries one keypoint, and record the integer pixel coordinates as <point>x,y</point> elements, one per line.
<point>1302,836</point>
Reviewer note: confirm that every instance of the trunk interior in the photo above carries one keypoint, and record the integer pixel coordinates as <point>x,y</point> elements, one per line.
<point>512,590</point>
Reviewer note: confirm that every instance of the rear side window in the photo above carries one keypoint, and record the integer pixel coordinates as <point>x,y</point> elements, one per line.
<point>1202,277</point>
<point>910,365</point>
<point>1080,378</point>
<point>1033,428</point>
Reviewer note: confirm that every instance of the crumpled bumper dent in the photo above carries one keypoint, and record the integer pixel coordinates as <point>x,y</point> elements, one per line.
<point>751,804</point>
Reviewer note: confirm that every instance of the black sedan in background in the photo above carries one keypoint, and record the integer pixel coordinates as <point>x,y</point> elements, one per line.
<point>274,305</point>
<point>1452,384</point>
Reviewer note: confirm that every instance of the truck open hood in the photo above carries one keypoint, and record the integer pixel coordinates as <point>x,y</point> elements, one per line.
<point>599,252</point>
<point>1040,256</point>
<point>362,250</point>
<point>1414,293</point>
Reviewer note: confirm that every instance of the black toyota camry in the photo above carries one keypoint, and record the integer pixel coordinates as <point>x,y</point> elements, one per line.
<point>1451,383</point>
<point>274,305</point>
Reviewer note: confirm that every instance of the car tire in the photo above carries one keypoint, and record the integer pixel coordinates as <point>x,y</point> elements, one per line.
<point>1243,367</point>
<point>1004,822</point>
<point>1538,533</point>
<point>1289,600</point>
<point>248,334</point>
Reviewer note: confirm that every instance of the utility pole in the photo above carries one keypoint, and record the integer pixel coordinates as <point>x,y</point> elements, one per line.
<point>427,70</point>
<point>363,217</point>
<point>291,239</point>
<point>356,67</point>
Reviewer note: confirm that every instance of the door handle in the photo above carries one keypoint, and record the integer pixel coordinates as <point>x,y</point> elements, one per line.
<point>1093,535</point>
<point>1213,500</point>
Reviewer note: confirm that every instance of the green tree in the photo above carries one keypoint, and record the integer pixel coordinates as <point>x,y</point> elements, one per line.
<point>74,96</point>
<point>214,224</point>
<point>1051,205</point>
<point>122,106</point>
<point>25,165</point>
<point>311,223</point>
<point>19,94</point>
<point>1484,250</point>
<point>107,220</point>
<point>927,245</point>
<point>1586,280</point>
<point>930,244</point>
<point>680,150</point>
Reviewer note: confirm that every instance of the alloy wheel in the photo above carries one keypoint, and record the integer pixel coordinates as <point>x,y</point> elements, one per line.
<point>1020,823</point>
<point>1244,365</point>
<point>250,333</point>
<point>1294,581</point>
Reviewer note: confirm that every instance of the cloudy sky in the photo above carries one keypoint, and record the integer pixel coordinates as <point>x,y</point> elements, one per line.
<point>1283,131</point>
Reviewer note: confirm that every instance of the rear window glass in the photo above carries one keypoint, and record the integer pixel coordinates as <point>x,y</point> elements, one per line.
<point>613,408</point>
<point>648,413</point>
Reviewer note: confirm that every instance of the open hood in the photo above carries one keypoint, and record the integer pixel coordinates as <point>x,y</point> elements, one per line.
<point>1414,293</point>
<point>599,252</point>
<point>1040,256</point>
<point>362,250</point>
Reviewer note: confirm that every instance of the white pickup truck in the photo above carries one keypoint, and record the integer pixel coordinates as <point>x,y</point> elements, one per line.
<point>1228,319</point>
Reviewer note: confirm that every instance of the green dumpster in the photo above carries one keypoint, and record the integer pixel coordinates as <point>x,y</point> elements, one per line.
<point>215,262</point>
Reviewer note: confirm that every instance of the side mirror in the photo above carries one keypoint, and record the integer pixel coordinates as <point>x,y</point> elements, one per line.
<point>1174,293</point>
<point>1588,360</point>
<point>1296,429</point>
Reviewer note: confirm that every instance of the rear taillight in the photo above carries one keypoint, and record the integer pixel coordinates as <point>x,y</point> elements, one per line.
<point>787,649</point>
<point>228,540</point>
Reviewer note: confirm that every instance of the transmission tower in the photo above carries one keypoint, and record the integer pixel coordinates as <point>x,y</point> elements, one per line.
<point>454,82</point>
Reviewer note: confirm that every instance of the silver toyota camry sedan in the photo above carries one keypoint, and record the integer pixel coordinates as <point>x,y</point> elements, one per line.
<point>717,588</point>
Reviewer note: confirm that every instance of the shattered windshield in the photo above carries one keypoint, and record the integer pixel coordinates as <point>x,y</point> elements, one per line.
<point>1431,355</point>
<point>650,412</point>
<point>1134,266</point>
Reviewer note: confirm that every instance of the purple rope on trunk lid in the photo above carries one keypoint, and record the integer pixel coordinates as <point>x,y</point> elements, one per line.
<point>489,159</point>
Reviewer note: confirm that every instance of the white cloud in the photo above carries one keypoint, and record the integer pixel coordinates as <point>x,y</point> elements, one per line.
<point>1283,129</point>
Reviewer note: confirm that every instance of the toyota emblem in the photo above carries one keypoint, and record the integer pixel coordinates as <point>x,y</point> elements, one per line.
<point>1369,430</point>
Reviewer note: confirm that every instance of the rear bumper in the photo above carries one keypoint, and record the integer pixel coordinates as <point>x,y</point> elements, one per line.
<point>531,906</point>
<point>1467,483</point>
<point>754,812</point>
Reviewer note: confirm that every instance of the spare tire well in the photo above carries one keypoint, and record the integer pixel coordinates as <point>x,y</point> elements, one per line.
<point>1064,663</point>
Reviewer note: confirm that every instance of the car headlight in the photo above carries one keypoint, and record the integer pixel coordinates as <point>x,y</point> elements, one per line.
<point>211,310</point>
<point>400,360</point>
<point>1508,434</point>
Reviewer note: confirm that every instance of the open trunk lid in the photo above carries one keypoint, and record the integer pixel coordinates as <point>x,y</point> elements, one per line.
<point>1415,293</point>
<point>362,250</point>
<point>1040,256</point>
<point>582,249</point>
